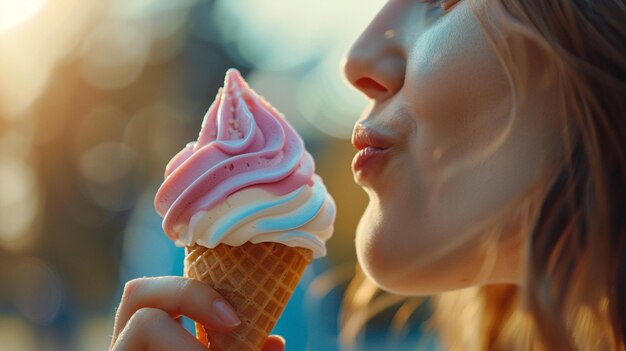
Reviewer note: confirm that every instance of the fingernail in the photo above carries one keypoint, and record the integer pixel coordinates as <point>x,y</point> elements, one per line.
<point>225,313</point>
<point>275,346</point>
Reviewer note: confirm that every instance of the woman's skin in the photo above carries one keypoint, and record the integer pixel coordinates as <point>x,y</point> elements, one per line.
<point>450,163</point>
<point>456,165</point>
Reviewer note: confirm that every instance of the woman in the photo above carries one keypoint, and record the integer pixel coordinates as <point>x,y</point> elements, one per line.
<point>493,154</point>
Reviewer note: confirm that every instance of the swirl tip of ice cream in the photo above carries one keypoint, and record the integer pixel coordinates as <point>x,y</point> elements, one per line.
<point>249,158</point>
<point>234,78</point>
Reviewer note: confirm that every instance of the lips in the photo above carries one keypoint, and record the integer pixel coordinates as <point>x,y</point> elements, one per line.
<point>364,136</point>
<point>373,146</point>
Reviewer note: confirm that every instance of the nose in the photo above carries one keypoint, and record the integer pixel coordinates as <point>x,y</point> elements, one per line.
<point>376,62</point>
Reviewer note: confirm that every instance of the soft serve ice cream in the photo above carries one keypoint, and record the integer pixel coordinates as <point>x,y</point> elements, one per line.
<point>248,178</point>
<point>245,202</point>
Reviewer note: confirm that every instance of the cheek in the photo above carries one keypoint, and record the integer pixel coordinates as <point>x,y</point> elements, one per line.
<point>455,84</point>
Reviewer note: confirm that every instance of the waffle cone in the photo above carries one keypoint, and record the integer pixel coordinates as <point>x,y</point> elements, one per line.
<point>257,280</point>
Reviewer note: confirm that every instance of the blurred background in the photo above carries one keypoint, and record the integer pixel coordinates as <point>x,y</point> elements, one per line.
<point>97,96</point>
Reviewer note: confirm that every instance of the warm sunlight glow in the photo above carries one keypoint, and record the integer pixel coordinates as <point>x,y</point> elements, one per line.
<point>13,13</point>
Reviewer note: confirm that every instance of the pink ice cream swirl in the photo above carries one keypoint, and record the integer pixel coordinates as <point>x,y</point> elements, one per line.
<point>243,142</point>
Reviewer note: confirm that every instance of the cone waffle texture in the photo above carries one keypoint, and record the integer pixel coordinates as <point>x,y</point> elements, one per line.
<point>257,280</point>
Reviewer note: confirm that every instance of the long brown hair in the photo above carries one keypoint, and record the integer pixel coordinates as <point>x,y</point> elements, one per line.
<point>574,294</point>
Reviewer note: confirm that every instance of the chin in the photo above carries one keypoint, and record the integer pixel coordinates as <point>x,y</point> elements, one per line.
<point>385,275</point>
<point>383,265</point>
<point>409,268</point>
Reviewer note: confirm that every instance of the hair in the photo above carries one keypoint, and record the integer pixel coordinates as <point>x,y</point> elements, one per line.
<point>574,292</point>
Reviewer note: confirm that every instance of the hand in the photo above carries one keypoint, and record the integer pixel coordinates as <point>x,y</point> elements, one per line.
<point>146,315</point>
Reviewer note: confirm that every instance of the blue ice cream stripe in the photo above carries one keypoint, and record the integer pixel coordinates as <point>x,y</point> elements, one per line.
<point>296,218</point>
<point>225,224</point>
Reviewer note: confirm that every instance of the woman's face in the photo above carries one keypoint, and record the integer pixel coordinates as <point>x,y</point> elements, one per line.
<point>445,164</point>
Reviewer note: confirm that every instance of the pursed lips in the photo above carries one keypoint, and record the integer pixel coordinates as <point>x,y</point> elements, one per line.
<point>364,136</point>
<point>371,144</point>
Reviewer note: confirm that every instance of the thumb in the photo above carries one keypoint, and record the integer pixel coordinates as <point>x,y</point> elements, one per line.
<point>274,343</point>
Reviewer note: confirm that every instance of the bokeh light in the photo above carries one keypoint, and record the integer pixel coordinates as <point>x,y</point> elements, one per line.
<point>38,291</point>
<point>15,334</point>
<point>308,38</point>
<point>290,33</point>
<point>97,96</point>
<point>94,333</point>
<point>325,101</point>
<point>41,35</point>
<point>163,21</point>
<point>114,55</point>
<point>19,200</point>
<point>13,13</point>
<point>108,171</point>
<point>158,129</point>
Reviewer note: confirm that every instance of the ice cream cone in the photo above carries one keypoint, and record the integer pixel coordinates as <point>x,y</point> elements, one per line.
<point>257,280</point>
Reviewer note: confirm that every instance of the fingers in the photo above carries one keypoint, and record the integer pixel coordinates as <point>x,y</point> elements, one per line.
<point>175,296</point>
<point>274,343</point>
<point>154,329</point>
